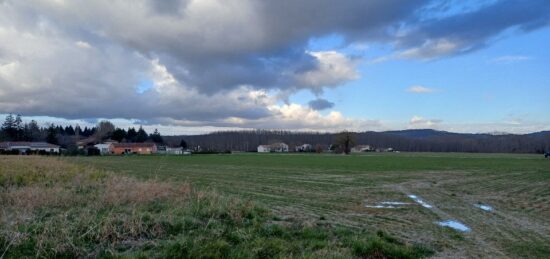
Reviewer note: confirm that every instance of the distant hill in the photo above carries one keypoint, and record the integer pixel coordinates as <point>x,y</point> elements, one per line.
<point>417,140</point>
<point>419,133</point>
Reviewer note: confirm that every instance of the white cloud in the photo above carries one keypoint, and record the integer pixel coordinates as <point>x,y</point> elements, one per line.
<point>430,49</point>
<point>418,89</point>
<point>333,69</point>
<point>83,45</point>
<point>418,122</point>
<point>510,59</point>
<point>8,70</point>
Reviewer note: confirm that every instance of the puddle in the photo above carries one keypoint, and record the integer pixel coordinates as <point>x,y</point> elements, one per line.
<point>380,206</point>
<point>454,225</point>
<point>388,205</point>
<point>395,203</point>
<point>484,207</point>
<point>420,201</point>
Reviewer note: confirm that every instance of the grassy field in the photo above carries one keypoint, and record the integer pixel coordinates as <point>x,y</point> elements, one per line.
<point>52,208</point>
<point>329,193</point>
<point>333,189</point>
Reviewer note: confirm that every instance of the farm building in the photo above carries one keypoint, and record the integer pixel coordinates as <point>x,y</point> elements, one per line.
<point>264,149</point>
<point>275,147</point>
<point>169,150</point>
<point>304,148</point>
<point>23,147</point>
<point>105,148</point>
<point>362,148</point>
<point>134,148</point>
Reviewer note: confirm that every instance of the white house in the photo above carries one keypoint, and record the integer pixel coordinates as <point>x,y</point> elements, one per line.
<point>105,148</point>
<point>23,147</point>
<point>361,148</point>
<point>275,147</point>
<point>170,150</point>
<point>264,149</point>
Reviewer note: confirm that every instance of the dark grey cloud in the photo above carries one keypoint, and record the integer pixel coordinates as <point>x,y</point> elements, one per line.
<point>320,104</point>
<point>476,29</point>
<point>168,7</point>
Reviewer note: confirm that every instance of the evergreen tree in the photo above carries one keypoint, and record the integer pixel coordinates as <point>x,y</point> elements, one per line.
<point>18,128</point>
<point>69,130</point>
<point>141,135</point>
<point>119,135</point>
<point>77,130</point>
<point>86,132</point>
<point>132,135</point>
<point>8,128</point>
<point>51,137</point>
<point>32,131</point>
<point>156,137</point>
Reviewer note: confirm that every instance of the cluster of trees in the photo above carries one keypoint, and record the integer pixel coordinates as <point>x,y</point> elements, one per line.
<point>407,140</point>
<point>14,129</point>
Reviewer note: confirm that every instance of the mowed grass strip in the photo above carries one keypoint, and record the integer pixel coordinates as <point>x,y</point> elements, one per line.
<point>52,208</point>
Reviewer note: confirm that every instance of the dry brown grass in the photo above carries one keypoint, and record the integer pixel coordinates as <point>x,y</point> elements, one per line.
<point>67,198</point>
<point>124,190</point>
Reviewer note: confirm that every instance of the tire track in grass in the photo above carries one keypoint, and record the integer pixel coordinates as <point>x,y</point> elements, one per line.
<point>471,234</point>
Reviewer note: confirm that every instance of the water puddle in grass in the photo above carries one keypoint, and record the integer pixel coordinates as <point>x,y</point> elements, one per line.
<point>420,201</point>
<point>484,207</point>
<point>380,206</point>
<point>388,205</point>
<point>454,225</point>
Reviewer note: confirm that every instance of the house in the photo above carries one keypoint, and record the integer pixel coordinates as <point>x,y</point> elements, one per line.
<point>264,149</point>
<point>275,147</point>
<point>134,148</point>
<point>169,150</point>
<point>279,147</point>
<point>24,147</point>
<point>361,148</point>
<point>105,148</point>
<point>87,142</point>
<point>304,148</point>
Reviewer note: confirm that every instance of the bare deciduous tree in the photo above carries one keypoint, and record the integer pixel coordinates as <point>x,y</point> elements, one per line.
<point>345,141</point>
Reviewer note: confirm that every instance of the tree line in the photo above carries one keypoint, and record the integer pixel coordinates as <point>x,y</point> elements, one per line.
<point>407,140</point>
<point>14,129</point>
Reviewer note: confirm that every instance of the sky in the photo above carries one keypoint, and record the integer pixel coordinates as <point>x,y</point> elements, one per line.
<point>196,66</point>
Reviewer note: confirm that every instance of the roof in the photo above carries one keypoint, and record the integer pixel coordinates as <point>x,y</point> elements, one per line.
<point>86,141</point>
<point>133,145</point>
<point>10,144</point>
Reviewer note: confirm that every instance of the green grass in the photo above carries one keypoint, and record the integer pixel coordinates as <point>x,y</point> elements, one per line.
<point>55,209</point>
<point>333,189</point>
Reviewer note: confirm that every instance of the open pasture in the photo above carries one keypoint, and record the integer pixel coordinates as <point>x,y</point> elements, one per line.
<point>348,191</point>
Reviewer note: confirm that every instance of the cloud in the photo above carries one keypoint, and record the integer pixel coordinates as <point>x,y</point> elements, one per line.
<point>467,31</point>
<point>510,59</point>
<point>418,89</point>
<point>418,122</point>
<point>216,62</point>
<point>430,49</point>
<point>320,104</point>
<point>332,69</point>
<point>83,44</point>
